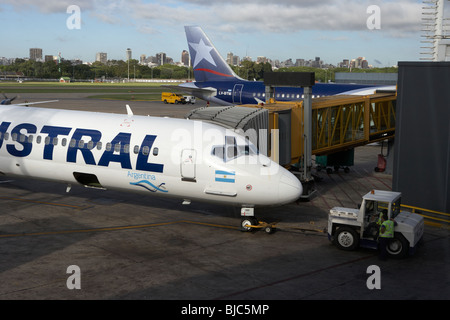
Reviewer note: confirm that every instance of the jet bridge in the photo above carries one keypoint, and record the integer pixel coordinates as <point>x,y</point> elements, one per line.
<point>338,123</point>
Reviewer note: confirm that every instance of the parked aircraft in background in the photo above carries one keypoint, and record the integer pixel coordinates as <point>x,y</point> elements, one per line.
<point>216,82</point>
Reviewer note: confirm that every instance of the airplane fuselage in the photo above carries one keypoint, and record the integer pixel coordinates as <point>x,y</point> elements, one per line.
<point>186,159</point>
<point>237,92</point>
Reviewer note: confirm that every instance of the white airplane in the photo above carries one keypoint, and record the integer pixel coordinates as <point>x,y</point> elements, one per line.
<point>185,159</point>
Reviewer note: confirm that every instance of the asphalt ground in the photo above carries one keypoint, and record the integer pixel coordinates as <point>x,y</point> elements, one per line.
<point>130,247</point>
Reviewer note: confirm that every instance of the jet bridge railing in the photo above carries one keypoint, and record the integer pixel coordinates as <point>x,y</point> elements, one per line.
<point>348,121</point>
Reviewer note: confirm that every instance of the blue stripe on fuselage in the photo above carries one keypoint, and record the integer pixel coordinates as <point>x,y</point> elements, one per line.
<point>229,91</point>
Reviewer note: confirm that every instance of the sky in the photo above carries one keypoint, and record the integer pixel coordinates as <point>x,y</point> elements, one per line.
<point>284,29</point>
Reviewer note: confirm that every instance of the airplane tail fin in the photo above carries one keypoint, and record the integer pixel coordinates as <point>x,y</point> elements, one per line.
<point>206,61</point>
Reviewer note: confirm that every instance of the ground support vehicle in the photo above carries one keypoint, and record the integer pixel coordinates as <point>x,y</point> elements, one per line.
<point>190,99</point>
<point>251,224</point>
<point>350,228</point>
<point>168,97</point>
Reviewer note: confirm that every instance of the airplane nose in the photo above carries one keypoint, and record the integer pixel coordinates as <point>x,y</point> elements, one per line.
<point>290,188</point>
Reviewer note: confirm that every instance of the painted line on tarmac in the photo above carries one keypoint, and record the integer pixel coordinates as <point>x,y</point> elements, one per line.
<point>120,228</point>
<point>44,203</point>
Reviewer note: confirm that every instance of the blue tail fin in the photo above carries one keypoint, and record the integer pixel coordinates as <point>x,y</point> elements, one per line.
<point>207,63</point>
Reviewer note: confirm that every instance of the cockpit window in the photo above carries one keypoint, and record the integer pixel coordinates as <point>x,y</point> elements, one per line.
<point>232,149</point>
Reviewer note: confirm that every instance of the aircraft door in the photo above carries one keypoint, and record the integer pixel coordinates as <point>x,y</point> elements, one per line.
<point>188,158</point>
<point>237,93</point>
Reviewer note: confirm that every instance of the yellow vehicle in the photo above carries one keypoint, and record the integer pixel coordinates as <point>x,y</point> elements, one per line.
<point>169,97</point>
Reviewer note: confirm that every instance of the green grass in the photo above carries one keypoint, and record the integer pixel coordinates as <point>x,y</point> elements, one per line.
<point>114,91</point>
<point>81,84</point>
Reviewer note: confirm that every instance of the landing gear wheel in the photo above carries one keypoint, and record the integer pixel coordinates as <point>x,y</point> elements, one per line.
<point>269,230</point>
<point>246,223</point>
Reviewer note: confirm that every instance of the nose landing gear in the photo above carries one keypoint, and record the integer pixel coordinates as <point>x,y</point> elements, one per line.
<point>250,223</point>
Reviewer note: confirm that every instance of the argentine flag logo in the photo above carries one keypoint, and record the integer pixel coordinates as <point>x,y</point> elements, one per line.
<point>225,176</point>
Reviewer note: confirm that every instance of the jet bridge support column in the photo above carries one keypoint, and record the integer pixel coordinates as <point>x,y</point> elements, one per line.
<point>307,180</point>
<point>307,132</point>
<point>304,80</point>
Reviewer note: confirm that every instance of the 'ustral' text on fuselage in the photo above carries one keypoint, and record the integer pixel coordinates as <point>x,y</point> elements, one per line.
<point>121,156</point>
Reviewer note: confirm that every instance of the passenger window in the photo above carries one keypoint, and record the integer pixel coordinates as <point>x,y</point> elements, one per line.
<point>38,139</point>
<point>22,138</point>
<point>47,140</point>
<point>126,148</point>
<point>73,142</point>
<point>155,151</point>
<point>81,144</point>
<point>117,147</point>
<point>30,139</point>
<point>64,142</point>
<point>14,137</point>
<point>90,145</point>
<point>55,141</point>
<point>108,146</point>
<point>136,149</point>
<point>145,150</point>
<point>99,145</point>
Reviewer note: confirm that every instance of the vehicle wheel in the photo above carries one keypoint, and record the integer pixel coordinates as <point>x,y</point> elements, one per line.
<point>165,101</point>
<point>346,239</point>
<point>398,247</point>
<point>246,222</point>
<point>269,230</point>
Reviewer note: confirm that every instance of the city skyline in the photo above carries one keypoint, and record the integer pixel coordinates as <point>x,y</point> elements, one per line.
<point>161,58</point>
<point>333,30</point>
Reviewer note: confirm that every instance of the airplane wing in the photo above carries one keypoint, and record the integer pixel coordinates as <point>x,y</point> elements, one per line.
<point>192,89</point>
<point>30,103</point>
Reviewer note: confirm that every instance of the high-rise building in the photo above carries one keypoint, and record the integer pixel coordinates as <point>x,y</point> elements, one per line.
<point>101,57</point>
<point>230,57</point>
<point>185,57</point>
<point>143,59</point>
<point>161,58</point>
<point>36,54</point>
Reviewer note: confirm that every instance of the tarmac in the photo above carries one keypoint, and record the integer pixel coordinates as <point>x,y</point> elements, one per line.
<point>130,247</point>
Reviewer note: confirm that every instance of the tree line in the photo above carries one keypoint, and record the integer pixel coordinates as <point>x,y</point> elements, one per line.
<point>119,69</point>
<point>113,69</point>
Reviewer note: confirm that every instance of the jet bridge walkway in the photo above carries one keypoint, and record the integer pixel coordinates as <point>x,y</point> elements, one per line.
<point>338,123</point>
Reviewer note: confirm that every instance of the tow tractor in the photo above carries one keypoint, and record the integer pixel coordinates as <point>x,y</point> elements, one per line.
<point>349,228</point>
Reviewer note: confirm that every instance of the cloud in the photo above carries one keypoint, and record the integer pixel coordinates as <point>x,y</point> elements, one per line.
<point>398,18</point>
<point>48,6</point>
